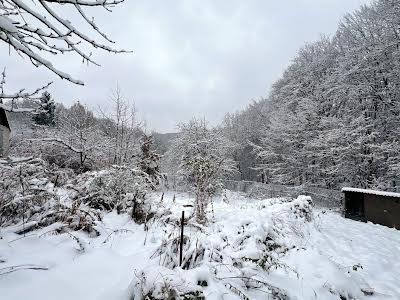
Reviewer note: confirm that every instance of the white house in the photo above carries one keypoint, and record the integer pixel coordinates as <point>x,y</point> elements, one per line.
<point>4,133</point>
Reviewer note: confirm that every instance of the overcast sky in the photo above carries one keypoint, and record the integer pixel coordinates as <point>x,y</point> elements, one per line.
<point>191,57</point>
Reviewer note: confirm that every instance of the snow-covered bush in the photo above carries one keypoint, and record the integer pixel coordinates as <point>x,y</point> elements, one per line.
<point>116,188</point>
<point>302,208</point>
<point>31,188</point>
<point>233,256</point>
<point>150,285</point>
<point>30,197</point>
<point>24,190</point>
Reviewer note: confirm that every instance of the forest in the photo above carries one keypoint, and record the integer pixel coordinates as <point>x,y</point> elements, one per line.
<point>332,119</point>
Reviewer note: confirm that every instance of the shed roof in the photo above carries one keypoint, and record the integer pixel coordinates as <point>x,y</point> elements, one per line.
<point>372,192</point>
<point>3,118</point>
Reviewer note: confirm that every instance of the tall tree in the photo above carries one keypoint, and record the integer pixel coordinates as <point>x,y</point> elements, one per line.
<point>78,132</point>
<point>203,157</point>
<point>149,160</point>
<point>121,125</point>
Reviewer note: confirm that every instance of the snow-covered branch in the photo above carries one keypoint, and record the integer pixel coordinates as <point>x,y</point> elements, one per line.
<point>35,28</point>
<point>11,99</point>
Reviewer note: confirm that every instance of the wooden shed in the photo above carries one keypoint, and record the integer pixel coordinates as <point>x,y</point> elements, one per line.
<point>4,133</point>
<point>375,206</point>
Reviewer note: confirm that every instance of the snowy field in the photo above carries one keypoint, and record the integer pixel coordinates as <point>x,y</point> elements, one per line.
<point>313,256</point>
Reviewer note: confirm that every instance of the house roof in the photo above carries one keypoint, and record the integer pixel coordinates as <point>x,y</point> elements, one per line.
<point>3,118</point>
<point>372,192</point>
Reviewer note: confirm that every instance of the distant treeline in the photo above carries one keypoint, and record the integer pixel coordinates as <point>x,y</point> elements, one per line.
<point>333,119</point>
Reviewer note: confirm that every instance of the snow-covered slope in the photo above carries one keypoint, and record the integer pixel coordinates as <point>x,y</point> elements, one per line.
<point>327,257</point>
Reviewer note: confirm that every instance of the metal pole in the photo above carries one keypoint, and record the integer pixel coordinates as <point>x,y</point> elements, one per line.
<point>181,245</point>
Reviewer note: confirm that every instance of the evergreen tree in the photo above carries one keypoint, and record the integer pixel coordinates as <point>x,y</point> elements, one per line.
<point>46,113</point>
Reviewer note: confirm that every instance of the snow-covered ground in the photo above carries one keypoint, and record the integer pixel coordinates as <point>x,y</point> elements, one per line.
<point>325,258</point>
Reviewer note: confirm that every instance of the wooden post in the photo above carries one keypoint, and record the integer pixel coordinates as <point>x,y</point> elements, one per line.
<point>56,181</point>
<point>181,245</point>
<point>133,214</point>
<point>23,200</point>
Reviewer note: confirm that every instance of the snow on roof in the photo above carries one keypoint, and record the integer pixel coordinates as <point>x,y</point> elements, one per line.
<point>373,192</point>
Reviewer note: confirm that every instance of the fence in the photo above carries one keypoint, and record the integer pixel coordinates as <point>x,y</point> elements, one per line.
<point>321,197</point>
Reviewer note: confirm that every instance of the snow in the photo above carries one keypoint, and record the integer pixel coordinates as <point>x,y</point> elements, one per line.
<point>372,192</point>
<point>375,247</point>
<point>7,25</point>
<point>329,253</point>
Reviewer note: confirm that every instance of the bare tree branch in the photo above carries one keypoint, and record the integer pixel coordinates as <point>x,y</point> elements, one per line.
<point>20,95</point>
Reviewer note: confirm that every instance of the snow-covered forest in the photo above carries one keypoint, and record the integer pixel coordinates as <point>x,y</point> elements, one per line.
<point>94,205</point>
<point>333,118</point>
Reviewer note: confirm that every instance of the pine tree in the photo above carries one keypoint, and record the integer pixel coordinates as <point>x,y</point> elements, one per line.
<point>46,114</point>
